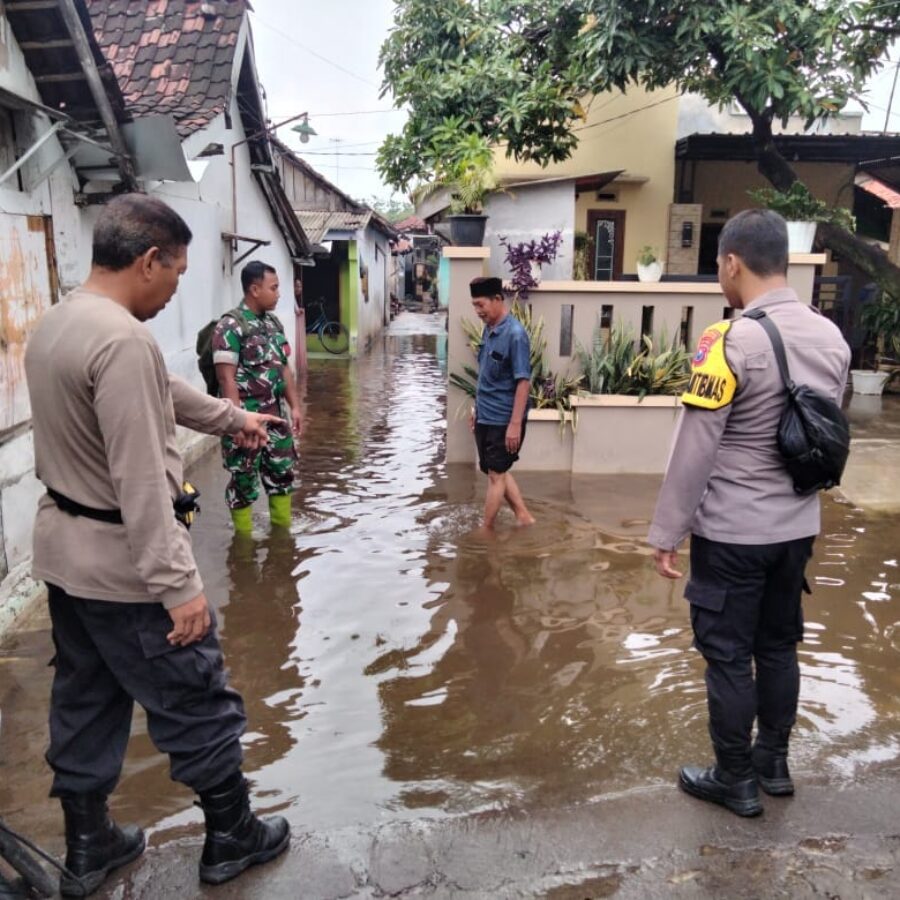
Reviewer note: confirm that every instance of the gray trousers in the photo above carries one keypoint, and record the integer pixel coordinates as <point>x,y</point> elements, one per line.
<point>109,655</point>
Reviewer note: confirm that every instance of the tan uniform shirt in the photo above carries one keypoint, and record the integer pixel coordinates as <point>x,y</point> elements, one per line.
<point>725,479</point>
<point>104,410</point>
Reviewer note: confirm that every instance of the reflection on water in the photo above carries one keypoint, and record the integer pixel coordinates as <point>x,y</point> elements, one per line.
<point>395,662</point>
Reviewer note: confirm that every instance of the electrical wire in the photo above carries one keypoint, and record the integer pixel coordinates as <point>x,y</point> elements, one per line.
<point>312,52</point>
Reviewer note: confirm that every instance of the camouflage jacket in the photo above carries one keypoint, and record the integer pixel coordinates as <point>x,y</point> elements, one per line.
<point>257,346</point>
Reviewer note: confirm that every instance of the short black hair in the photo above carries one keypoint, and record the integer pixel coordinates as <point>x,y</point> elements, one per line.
<point>759,238</point>
<point>485,286</point>
<point>254,272</point>
<point>130,225</point>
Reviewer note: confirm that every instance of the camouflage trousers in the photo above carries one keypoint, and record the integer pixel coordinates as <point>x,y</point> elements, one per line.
<point>275,464</point>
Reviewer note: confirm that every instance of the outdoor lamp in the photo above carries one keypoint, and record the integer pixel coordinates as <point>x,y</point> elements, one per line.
<point>305,130</point>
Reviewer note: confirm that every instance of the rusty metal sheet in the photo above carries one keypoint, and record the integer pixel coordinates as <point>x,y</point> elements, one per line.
<point>26,292</point>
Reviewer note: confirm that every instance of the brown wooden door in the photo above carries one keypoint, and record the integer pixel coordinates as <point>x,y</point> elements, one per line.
<point>606,234</point>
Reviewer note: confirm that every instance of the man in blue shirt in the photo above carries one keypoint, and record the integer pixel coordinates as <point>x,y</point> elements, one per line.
<point>501,398</point>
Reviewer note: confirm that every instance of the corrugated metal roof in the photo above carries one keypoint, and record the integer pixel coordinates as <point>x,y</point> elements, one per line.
<point>317,223</point>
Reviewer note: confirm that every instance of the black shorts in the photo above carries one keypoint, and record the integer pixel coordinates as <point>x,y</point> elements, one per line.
<point>492,453</point>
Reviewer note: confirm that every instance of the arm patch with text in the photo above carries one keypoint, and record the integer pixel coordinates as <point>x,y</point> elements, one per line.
<point>712,383</point>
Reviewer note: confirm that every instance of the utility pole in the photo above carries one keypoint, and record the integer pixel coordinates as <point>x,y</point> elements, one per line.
<point>887,117</point>
<point>337,159</point>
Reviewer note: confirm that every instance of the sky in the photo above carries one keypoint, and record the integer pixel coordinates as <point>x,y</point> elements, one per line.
<point>321,57</point>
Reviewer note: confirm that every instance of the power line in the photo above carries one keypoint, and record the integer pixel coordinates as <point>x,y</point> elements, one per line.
<point>358,112</point>
<point>627,114</point>
<point>312,52</point>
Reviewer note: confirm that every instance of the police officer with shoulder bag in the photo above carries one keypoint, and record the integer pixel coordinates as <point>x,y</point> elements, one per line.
<point>752,527</point>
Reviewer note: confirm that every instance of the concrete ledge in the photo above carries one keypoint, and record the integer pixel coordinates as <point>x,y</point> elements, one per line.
<point>628,287</point>
<point>582,401</point>
<point>467,252</point>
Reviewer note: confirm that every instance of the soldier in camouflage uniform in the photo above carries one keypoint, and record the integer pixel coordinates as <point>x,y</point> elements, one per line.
<point>250,352</point>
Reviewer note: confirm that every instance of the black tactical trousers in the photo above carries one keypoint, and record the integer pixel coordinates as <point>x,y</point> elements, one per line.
<point>109,655</point>
<point>747,620</point>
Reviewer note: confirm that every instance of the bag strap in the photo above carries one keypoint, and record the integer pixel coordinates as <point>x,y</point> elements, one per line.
<point>760,316</point>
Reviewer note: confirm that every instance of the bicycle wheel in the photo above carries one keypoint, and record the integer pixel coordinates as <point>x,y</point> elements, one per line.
<point>334,337</point>
<point>21,860</point>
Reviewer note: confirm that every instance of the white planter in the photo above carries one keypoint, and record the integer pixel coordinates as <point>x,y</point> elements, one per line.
<point>868,382</point>
<point>535,272</point>
<point>651,272</point>
<point>801,236</point>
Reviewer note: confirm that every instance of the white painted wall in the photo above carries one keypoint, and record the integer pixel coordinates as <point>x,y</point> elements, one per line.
<point>528,213</point>
<point>208,288</point>
<point>371,311</point>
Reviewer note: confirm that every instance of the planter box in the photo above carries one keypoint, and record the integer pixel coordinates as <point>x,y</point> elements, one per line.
<point>617,434</point>
<point>547,448</point>
<point>868,382</point>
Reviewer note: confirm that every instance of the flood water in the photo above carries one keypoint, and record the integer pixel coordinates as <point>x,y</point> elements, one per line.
<point>397,664</point>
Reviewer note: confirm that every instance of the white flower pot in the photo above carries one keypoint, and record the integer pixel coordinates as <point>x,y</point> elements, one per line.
<point>651,272</point>
<point>867,382</point>
<point>801,236</point>
<point>535,272</point>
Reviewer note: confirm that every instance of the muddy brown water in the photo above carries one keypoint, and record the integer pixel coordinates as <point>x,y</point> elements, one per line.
<point>395,664</point>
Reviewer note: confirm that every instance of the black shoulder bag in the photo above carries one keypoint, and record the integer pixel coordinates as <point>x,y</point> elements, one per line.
<point>813,433</point>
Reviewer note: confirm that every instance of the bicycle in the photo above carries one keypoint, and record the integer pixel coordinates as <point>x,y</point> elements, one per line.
<point>333,336</point>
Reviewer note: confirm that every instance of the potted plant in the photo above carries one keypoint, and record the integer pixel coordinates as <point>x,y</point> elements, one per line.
<point>881,321</point>
<point>802,212</point>
<point>649,267</point>
<point>468,175</point>
<point>526,258</point>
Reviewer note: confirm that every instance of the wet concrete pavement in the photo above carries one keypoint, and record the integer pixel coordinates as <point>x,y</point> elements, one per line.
<point>440,714</point>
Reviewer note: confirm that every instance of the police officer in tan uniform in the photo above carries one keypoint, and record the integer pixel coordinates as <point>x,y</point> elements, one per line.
<point>751,534</point>
<point>130,618</point>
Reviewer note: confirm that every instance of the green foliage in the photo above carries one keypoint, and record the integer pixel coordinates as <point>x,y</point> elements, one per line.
<point>647,256</point>
<point>548,390</point>
<point>466,170</point>
<point>799,205</point>
<point>622,365</point>
<point>881,320</point>
<point>393,209</point>
<point>514,72</point>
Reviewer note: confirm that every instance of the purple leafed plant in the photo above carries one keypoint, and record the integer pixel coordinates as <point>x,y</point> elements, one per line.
<point>519,258</point>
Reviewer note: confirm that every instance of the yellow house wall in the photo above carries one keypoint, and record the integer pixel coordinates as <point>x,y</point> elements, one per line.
<point>724,185</point>
<point>634,132</point>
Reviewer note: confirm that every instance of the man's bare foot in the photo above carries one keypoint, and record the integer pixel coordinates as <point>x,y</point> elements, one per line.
<point>526,519</point>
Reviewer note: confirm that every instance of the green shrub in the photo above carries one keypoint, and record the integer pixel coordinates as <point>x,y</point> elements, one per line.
<point>624,365</point>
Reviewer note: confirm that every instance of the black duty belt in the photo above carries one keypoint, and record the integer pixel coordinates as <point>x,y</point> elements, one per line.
<point>185,505</point>
<point>73,508</point>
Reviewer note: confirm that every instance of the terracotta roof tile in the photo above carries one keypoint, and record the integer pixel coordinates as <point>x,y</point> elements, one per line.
<point>168,56</point>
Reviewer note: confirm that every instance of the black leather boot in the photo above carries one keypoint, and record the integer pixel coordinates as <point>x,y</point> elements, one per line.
<point>235,838</point>
<point>772,773</point>
<point>95,845</point>
<point>740,795</point>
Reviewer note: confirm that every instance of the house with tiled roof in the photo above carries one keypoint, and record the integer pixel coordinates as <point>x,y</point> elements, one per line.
<point>355,271</point>
<point>100,97</point>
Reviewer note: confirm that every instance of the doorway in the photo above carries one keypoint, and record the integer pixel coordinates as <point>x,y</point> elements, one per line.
<point>606,231</point>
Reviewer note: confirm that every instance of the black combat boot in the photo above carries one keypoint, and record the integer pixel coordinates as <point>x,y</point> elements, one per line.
<point>235,837</point>
<point>740,795</point>
<point>95,845</point>
<point>771,767</point>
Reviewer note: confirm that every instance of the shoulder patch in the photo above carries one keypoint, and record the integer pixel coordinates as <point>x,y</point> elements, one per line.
<point>712,383</point>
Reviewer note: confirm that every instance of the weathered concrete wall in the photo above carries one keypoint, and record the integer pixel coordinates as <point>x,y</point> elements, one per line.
<point>527,213</point>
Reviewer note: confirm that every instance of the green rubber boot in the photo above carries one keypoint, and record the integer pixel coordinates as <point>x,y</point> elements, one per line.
<point>280,510</point>
<point>243,519</point>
